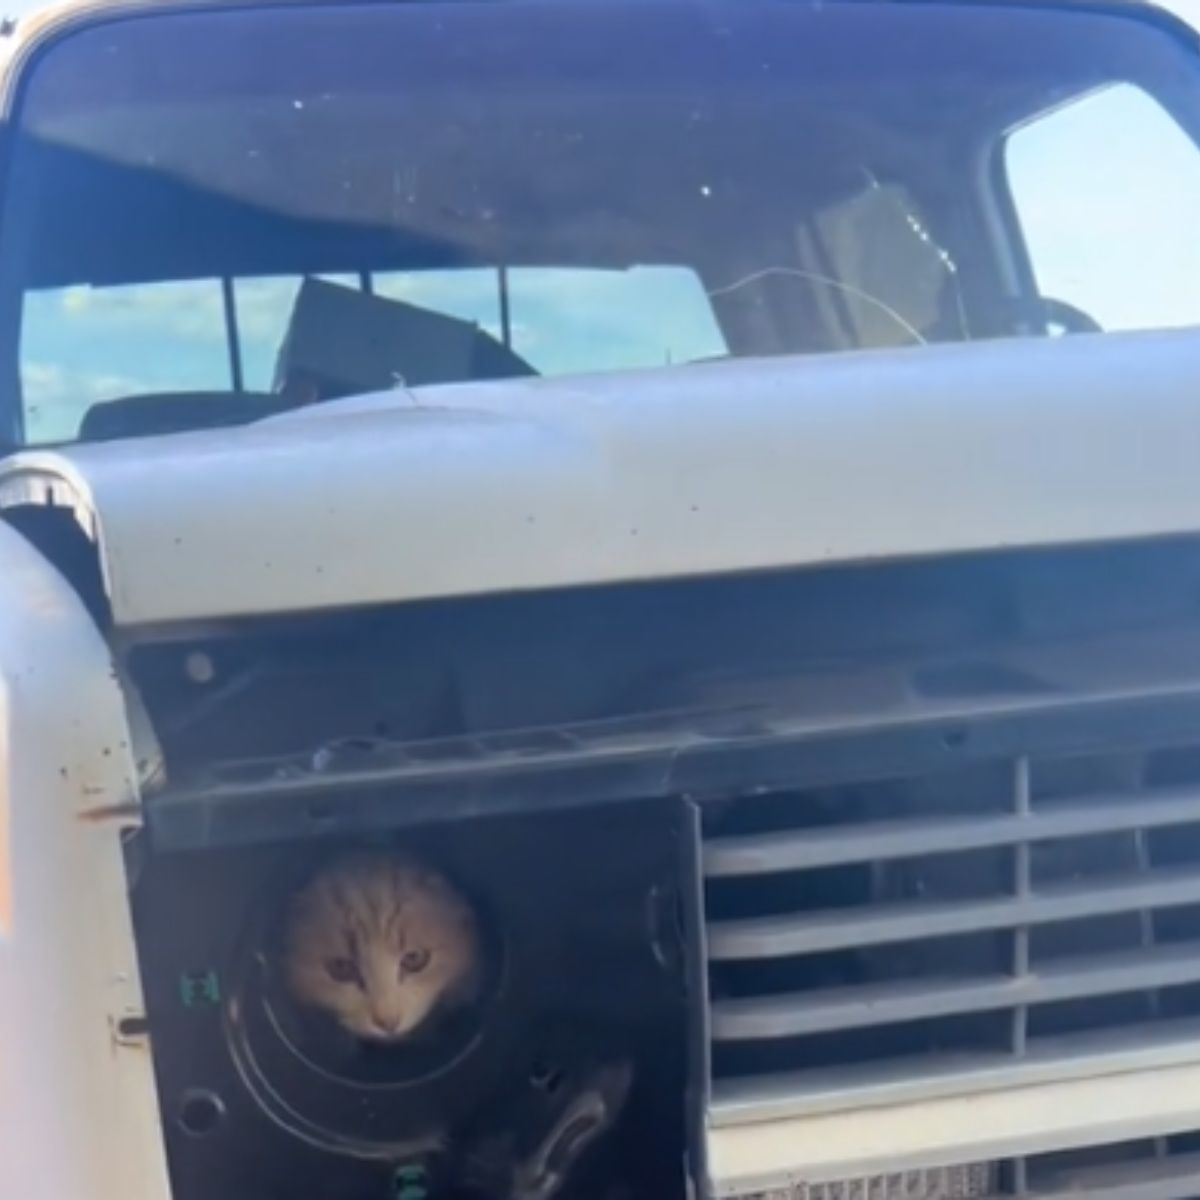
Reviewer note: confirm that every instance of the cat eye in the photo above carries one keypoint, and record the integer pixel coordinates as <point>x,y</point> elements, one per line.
<point>413,961</point>
<point>343,970</point>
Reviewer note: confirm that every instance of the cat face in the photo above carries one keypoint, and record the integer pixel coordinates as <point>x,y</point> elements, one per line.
<point>380,942</point>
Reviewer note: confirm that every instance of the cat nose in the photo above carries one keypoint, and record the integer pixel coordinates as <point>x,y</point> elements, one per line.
<point>388,1025</point>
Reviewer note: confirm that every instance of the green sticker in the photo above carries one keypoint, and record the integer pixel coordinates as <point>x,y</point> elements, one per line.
<point>201,988</point>
<point>410,1183</point>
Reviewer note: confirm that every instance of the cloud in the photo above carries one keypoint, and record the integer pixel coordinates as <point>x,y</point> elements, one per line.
<point>173,336</point>
<point>56,397</point>
<point>47,383</point>
<point>191,309</point>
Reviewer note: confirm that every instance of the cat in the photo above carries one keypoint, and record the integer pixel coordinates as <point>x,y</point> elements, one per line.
<point>381,943</point>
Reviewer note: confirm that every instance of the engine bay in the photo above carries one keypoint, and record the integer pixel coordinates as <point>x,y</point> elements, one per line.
<point>423,909</point>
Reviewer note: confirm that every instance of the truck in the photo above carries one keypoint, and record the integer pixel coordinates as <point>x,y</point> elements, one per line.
<point>701,498</point>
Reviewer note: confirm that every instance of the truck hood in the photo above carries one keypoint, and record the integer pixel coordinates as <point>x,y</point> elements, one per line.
<point>736,466</point>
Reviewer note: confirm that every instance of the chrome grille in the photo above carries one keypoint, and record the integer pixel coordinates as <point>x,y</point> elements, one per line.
<point>972,1182</point>
<point>903,929</point>
<point>938,1183</point>
<point>1165,1169</point>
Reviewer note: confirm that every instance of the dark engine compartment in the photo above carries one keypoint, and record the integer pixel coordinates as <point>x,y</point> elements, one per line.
<point>569,1068</point>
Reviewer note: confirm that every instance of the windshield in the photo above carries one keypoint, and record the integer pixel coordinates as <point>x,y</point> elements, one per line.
<point>215,215</point>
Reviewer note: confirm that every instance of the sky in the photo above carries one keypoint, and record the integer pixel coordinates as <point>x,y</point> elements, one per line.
<point>1188,9</point>
<point>1107,191</point>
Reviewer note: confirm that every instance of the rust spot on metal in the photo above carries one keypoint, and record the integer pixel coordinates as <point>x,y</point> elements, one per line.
<point>112,812</point>
<point>6,885</point>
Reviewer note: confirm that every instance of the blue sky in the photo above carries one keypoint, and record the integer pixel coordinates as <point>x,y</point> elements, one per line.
<point>1188,9</point>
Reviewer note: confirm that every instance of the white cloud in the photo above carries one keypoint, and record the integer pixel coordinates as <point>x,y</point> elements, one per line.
<point>56,397</point>
<point>188,309</point>
<point>191,309</point>
<point>47,383</point>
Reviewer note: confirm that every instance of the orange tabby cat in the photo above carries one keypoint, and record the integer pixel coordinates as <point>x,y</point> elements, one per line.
<point>381,942</point>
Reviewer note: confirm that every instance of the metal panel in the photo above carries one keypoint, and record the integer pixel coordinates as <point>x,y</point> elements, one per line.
<point>812,848</point>
<point>793,1015</point>
<point>1150,1179</point>
<point>769,937</point>
<point>1153,1179</point>
<point>782,1096</point>
<point>930,1132</point>
<point>511,486</point>
<point>966,935</point>
<point>78,1106</point>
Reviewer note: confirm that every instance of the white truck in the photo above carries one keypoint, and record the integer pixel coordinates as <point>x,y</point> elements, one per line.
<point>719,480</point>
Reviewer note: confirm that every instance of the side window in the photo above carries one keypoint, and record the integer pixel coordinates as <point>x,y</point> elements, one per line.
<point>81,346</point>
<point>1107,192</point>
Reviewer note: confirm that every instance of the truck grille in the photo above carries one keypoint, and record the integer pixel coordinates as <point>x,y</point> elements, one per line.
<point>911,932</point>
<point>939,1183</point>
<point>1163,1169</point>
